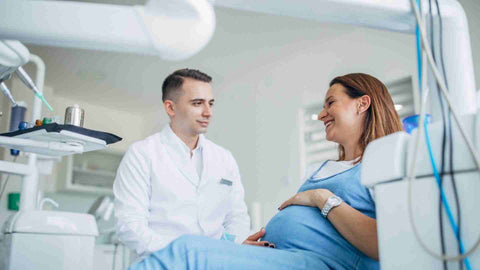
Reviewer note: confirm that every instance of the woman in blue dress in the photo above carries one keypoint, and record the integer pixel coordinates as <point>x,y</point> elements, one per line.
<point>330,223</point>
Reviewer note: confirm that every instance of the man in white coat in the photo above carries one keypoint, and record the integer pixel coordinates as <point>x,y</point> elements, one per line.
<point>178,182</point>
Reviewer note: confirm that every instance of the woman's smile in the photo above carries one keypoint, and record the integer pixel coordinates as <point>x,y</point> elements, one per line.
<point>328,123</point>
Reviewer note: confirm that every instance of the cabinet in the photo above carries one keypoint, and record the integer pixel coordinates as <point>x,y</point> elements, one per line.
<point>89,172</point>
<point>111,257</point>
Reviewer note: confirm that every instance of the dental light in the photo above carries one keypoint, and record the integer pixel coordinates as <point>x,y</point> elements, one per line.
<point>172,30</point>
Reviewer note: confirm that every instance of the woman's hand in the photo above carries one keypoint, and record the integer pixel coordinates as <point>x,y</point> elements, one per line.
<point>253,240</point>
<point>313,197</point>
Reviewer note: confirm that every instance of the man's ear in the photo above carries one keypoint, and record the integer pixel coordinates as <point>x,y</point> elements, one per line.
<point>363,103</point>
<point>169,107</point>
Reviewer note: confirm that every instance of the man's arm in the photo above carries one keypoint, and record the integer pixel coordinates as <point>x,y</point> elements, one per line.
<point>132,190</point>
<point>237,221</point>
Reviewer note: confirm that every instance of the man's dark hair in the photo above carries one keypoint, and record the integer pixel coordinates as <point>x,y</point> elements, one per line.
<point>172,84</point>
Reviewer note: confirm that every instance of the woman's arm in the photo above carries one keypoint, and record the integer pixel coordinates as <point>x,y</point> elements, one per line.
<point>359,229</point>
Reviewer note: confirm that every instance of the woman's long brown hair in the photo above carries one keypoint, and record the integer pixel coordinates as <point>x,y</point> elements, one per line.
<point>381,119</point>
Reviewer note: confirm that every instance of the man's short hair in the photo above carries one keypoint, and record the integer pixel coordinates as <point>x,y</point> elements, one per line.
<point>172,84</point>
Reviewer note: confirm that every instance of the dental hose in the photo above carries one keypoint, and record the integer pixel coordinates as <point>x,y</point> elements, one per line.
<point>7,93</point>
<point>22,74</point>
<point>40,96</point>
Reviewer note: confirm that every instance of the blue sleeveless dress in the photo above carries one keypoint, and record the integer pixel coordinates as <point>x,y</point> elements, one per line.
<point>304,239</point>
<point>304,228</point>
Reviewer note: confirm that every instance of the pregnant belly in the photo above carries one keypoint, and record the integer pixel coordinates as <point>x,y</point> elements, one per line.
<point>304,228</point>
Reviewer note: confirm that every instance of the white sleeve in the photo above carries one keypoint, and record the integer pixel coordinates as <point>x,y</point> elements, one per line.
<point>237,221</point>
<point>132,190</point>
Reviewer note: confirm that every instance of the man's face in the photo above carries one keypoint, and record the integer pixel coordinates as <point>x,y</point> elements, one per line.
<point>193,109</point>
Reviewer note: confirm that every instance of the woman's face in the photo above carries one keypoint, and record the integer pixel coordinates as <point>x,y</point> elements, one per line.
<point>342,116</point>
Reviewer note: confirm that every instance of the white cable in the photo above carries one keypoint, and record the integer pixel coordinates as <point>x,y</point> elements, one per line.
<point>426,52</point>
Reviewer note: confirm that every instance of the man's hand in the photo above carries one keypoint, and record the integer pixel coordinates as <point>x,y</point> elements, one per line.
<point>253,240</point>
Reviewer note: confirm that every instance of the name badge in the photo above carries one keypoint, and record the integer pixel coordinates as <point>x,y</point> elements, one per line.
<point>226,182</point>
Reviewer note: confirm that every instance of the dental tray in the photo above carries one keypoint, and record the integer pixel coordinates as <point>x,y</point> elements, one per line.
<point>58,140</point>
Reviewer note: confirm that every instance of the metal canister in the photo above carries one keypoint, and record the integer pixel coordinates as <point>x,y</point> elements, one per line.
<point>74,115</point>
<point>17,115</point>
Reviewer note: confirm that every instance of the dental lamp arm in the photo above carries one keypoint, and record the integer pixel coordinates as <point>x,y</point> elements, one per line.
<point>146,30</point>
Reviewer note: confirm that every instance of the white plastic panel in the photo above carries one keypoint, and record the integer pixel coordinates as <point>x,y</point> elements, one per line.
<point>384,159</point>
<point>398,246</point>
<point>47,252</point>
<point>462,158</point>
<point>52,222</point>
<point>384,14</point>
<point>399,249</point>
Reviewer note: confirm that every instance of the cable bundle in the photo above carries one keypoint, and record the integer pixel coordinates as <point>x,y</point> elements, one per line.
<point>423,53</point>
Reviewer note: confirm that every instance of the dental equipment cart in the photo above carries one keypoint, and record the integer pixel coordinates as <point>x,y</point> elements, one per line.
<point>37,239</point>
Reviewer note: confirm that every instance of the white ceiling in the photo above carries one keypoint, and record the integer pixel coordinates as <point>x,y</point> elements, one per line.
<point>133,82</point>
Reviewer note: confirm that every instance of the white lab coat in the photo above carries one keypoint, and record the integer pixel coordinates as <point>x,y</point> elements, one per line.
<point>159,197</point>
